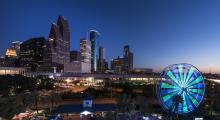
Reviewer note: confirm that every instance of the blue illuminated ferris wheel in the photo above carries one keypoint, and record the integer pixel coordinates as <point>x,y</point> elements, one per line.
<point>181,89</point>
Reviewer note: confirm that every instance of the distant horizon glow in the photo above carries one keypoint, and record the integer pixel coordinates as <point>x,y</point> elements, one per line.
<point>160,33</point>
<point>203,69</point>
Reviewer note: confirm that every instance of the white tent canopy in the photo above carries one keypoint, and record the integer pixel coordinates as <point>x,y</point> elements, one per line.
<point>86,113</point>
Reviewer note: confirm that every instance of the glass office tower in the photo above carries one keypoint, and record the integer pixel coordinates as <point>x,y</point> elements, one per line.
<point>94,39</point>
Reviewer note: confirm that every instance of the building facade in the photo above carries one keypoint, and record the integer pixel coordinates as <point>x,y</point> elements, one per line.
<point>117,64</point>
<point>94,39</point>
<point>82,65</point>
<point>127,59</point>
<point>58,46</point>
<point>143,70</point>
<point>32,53</point>
<point>11,58</point>
<point>77,67</point>
<point>16,46</point>
<point>75,56</point>
<point>12,71</point>
<point>11,53</point>
<point>102,64</point>
<point>123,64</point>
<point>2,61</point>
<point>85,50</point>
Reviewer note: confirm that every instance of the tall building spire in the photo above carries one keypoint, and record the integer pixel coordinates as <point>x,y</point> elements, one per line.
<point>54,34</point>
<point>63,27</point>
<point>58,47</point>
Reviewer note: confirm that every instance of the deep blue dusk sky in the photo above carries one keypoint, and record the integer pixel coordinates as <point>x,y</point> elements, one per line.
<point>159,32</point>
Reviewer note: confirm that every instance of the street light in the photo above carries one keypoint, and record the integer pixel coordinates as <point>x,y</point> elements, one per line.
<point>68,80</point>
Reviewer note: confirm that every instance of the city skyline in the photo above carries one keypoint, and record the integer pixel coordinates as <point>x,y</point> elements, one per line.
<point>166,33</point>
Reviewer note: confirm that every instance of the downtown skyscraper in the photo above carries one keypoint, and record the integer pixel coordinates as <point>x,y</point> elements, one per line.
<point>102,64</point>
<point>123,64</point>
<point>31,53</point>
<point>85,50</point>
<point>94,39</point>
<point>128,59</point>
<point>58,45</point>
<point>82,62</point>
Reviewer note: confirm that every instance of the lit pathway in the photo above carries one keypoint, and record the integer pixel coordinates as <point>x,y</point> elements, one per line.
<point>214,80</point>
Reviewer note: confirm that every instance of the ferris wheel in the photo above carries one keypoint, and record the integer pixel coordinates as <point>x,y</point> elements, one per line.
<point>181,89</point>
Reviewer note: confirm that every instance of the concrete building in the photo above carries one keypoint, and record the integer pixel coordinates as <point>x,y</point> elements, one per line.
<point>84,64</point>
<point>77,67</point>
<point>12,71</point>
<point>85,50</point>
<point>143,70</point>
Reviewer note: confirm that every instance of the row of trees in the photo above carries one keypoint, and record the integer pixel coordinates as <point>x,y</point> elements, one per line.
<point>9,106</point>
<point>14,84</point>
<point>19,93</point>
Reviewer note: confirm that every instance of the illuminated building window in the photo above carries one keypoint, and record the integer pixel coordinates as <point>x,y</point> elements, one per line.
<point>11,53</point>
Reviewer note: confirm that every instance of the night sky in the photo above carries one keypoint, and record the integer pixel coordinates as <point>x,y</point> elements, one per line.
<point>159,32</point>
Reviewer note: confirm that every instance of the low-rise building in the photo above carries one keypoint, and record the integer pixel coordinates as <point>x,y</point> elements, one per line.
<point>143,70</point>
<point>12,71</point>
<point>77,67</point>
